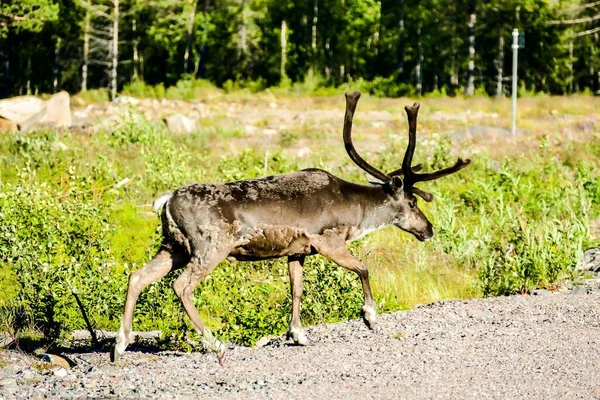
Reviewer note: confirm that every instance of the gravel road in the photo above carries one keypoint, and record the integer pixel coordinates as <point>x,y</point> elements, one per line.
<point>544,346</point>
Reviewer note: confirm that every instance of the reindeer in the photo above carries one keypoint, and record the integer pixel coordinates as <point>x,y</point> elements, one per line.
<point>291,215</point>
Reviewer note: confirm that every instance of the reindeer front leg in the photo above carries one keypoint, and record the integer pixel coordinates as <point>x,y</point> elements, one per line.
<point>334,248</point>
<point>295,268</point>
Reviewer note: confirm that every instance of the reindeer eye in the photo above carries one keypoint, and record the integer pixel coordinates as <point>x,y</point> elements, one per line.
<point>412,203</point>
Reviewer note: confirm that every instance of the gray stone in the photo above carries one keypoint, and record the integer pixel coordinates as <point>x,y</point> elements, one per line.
<point>178,123</point>
<point>60,372</point>
<point>590,261</point>
<point>482,314</point>
<point>29,112</point>
<point>20,109</point>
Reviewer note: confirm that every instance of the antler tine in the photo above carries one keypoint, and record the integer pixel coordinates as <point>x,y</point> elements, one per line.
<point>460,164</point>
<point>351,101</point>
<point>399,172</point>
<point>411,113</point>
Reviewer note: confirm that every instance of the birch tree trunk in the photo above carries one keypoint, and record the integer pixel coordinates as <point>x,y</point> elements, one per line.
<point>55,69</point>
<point>283,74</point>
<point>136,56</point>
<point>591,66</point>
<point>200,68</point>
<point>419,69</point>
<point>189,35</point>
<point>500,64</point>
<point>28,85</point>
<point>401,39</point>
<point>470,91</point>
<point>86,52</point>
<point>115,51</point>
<point>313,42</point>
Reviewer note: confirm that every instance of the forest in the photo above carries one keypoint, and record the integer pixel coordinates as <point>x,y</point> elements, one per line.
<point>401,47</point>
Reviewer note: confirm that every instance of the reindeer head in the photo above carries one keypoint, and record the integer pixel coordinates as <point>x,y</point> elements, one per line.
<point>401,190</point>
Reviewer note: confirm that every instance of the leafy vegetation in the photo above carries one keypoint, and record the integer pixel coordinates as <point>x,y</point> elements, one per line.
<point>389,47</point>
<point>68,217</point>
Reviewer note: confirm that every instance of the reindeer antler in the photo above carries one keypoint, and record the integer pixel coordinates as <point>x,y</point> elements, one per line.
<point>351,101</point>
<point>410,176</point>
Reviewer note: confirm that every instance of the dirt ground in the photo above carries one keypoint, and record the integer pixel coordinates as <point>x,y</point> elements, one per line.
<point>542,346</point>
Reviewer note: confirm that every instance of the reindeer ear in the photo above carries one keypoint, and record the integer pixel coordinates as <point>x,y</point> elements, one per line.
<point>374,181</point>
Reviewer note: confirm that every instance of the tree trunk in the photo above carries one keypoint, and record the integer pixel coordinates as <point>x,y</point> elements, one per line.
<point>86,52</point>
<point>55,70</point>
<point>329,61</point>
<point>591,66</point>
<point>500,64</point>
<point>470,91</point>
<point>7,83</point>
<point>136,56</point>
<point>200,68</point>
<point>570,66</point>
<point>401,39</point>
<point>28,86</point>
<point>115,51</point>
<point>189,36</point>
<point>243,31</point>
<point>419,69</point>
<point>283,75</point>
<point>313,42</point>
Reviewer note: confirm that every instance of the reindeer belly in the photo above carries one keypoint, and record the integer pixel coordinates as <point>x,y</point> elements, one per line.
<point>272,242</point>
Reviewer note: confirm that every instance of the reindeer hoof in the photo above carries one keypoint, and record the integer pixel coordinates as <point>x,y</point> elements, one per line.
<point>369,316</point>
<point>114,354</point>
<point>297,334</point>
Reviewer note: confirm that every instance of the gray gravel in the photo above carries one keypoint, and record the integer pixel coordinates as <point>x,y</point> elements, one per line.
<point>542,346</point>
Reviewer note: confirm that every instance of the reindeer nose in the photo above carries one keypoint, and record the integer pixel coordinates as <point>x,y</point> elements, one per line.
<point>427,236</point>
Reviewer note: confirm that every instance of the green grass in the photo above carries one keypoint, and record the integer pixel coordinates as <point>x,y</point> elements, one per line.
<point>516,219</point>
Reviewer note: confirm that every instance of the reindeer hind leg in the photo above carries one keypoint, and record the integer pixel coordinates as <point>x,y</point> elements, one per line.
<point>166,259</point>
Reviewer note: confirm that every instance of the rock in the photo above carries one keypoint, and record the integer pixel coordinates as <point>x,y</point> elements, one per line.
<point>590,261</point>
<point>269,132</point>
<point>29,112</point>
<point>262,342</point>
<point>303,152</point>
<point>60,373</point>
<point>59,146</point>
<point>8,126</point>
<point>178,123</point>
<point>58,111</point>
<point>55,360</point>
<point>581,290</point>
<point>127,100</point>
<point>20,109</point>
<point>482,314</point>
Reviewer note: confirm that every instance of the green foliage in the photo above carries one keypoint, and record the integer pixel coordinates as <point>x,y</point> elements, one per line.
<point>134,129</point>
<point>237,45</point>
<point>28,15</point>
<point>515,224</point>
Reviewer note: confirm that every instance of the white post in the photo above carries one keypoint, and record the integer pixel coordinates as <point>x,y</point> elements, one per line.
<point>515,47</point>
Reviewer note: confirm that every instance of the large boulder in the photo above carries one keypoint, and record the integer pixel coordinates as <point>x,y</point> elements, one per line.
<point>178,123</point>
<point>20,109</point>
<point>8,126</point>
<point>28,112</point>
